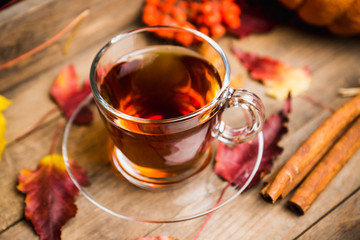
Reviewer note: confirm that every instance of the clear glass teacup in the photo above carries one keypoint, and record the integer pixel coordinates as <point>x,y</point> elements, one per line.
<point>162,99</point>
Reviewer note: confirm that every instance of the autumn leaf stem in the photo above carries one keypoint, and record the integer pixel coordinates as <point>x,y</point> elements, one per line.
<point>55,137</point>
<point>317,103</point>
<point>208,216</point>
<point>38,123</point>
<point>72,25</point>
<point>203,225</point>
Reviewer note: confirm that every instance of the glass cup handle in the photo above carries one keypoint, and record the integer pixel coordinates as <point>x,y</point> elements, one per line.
<point>252,122</point>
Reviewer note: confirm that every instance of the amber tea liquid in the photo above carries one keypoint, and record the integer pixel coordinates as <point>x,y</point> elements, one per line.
<point>161,83</point>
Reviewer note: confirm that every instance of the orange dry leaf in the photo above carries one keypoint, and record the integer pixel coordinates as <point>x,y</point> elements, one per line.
<point>50,193</point>
<point>280,77</point>
<point>4,103</point>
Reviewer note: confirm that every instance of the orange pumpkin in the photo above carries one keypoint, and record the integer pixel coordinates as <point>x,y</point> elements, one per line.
<point>341,17</point>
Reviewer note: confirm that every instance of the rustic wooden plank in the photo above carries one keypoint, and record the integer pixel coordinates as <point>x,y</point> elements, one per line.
<point>346,226</point>
<point>30,23</point>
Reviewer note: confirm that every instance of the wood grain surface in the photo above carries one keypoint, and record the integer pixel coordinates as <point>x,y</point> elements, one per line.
<point>334,62</point>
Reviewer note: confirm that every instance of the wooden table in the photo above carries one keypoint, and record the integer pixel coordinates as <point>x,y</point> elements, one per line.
<point>334,62</point>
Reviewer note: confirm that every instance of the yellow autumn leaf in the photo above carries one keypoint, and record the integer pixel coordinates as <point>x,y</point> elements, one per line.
<point>295,81</point>
<point>4,103</point>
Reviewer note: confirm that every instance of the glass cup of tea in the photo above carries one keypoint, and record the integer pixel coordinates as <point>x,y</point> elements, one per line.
<point>161,92</point>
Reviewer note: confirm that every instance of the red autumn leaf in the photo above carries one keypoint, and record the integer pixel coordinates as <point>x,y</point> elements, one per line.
<point>253,20</point>
<point>280,77</point>
<point>68,94</point>
<point>50,195</point>
<point>264,69</point>
<point>156,238</point>
<point>235,164</point>
<point>260,16</point>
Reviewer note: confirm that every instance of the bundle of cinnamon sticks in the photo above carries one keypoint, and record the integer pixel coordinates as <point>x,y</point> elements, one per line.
<point>318,159</point>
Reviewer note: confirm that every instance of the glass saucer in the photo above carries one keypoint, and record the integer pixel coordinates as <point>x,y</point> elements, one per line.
<point>88,145</point>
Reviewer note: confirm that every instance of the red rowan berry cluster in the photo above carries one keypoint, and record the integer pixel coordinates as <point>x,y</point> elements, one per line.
<point>211,17</point>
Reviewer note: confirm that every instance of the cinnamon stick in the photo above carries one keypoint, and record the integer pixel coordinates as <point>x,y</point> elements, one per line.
<point>326,170</point>
<point>298,164</point>
<point>299,177</point>
<point>308,168</point>
<point>268,180</point>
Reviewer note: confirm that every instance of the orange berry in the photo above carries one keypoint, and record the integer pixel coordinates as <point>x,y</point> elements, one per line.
<point>166,20</point>
<point>150,19</point>
<point>179,15</point>
<point>234,8</point>
<point>232,20</point>
<point>194,5</point>
<point>212,18</point>
<point>182,4</point>
<point>204,30</point>
<point>184,38</point>
<point>165,33</point>
<point>206,7</point>
<point>154,2</point>
<point>189,25</point>
<point>166,7</point>
<point>230,7</point>
<point>207,15</point>
<point>218,30</point>
<point>150,9</point>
